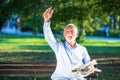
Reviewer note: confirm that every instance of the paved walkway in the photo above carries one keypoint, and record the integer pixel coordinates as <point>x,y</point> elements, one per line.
<point>87,37</point>
<point>102,38</point>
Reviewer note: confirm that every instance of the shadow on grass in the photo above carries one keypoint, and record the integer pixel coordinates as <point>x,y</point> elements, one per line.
<point>36,53</point>
<point>27,57</point>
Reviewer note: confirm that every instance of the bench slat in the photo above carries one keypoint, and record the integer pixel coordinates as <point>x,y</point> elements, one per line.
<point>26,75</point>
<point>42,70</point>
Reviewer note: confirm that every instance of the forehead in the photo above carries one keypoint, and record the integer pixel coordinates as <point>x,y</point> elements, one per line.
<point>71,27</point>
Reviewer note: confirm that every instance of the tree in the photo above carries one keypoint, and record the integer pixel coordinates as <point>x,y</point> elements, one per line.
<point>82,13</point>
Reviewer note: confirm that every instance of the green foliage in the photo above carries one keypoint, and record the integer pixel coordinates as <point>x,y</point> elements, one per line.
<point>65,11</point>
<point>99,33</point>
<point>111,6</point>
<point>81,37</point>
<point>114,33</point>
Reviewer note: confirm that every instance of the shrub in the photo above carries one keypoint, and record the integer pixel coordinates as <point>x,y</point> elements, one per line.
<point>114,33</point>
<point>99,33</point>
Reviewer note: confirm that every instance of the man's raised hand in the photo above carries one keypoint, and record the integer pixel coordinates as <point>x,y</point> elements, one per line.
<point>48,14</point>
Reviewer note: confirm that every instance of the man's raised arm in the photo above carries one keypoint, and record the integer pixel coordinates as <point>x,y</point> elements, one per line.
<point>49,37</point>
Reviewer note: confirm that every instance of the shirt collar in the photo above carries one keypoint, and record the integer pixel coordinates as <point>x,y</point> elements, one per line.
<point>67,45</point>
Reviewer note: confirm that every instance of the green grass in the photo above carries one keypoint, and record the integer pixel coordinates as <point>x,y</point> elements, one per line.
<point>109,74</point>
<point>16,48</point>
<point>31,48</point>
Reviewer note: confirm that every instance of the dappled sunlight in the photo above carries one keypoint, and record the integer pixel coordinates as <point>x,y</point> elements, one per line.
<point>14,46</point>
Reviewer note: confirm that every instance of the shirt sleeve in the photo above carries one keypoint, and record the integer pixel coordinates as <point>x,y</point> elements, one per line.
<point>49,37</point>
<point>86,57</point>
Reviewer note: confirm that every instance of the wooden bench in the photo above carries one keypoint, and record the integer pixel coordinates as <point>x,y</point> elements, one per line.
<point>28,69</point>
<point>44,69</point>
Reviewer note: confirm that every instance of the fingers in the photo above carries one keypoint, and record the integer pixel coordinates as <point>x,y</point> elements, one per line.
<point>50,10</point>
<point>48,14</point>
<point>46,11</point>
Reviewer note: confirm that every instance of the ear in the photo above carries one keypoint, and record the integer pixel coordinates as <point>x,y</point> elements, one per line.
<point>64,34</point>
<point>77,34</point>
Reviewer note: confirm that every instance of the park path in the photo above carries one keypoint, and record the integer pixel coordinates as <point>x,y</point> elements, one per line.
<point>102,38</point>
<point>86,37</point>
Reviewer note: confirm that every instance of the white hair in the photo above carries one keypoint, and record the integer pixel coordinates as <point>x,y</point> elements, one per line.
<point>71,25</point>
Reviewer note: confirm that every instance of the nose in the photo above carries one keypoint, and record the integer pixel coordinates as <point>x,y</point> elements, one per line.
<point>70,32</point>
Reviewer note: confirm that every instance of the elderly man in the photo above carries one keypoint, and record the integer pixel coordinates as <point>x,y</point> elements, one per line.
<point>68,53</point>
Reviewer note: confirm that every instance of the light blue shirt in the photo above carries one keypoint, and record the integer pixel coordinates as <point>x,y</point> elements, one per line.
<point>67,57</point>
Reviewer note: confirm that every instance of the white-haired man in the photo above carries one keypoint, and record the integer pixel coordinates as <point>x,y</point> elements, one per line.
<point>68,53</point>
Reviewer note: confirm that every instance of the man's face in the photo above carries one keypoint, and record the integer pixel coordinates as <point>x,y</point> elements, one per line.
<point>70,33</point>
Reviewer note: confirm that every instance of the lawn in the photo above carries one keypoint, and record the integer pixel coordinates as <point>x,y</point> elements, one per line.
<point>33,48</point>
<point>18,48</point>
